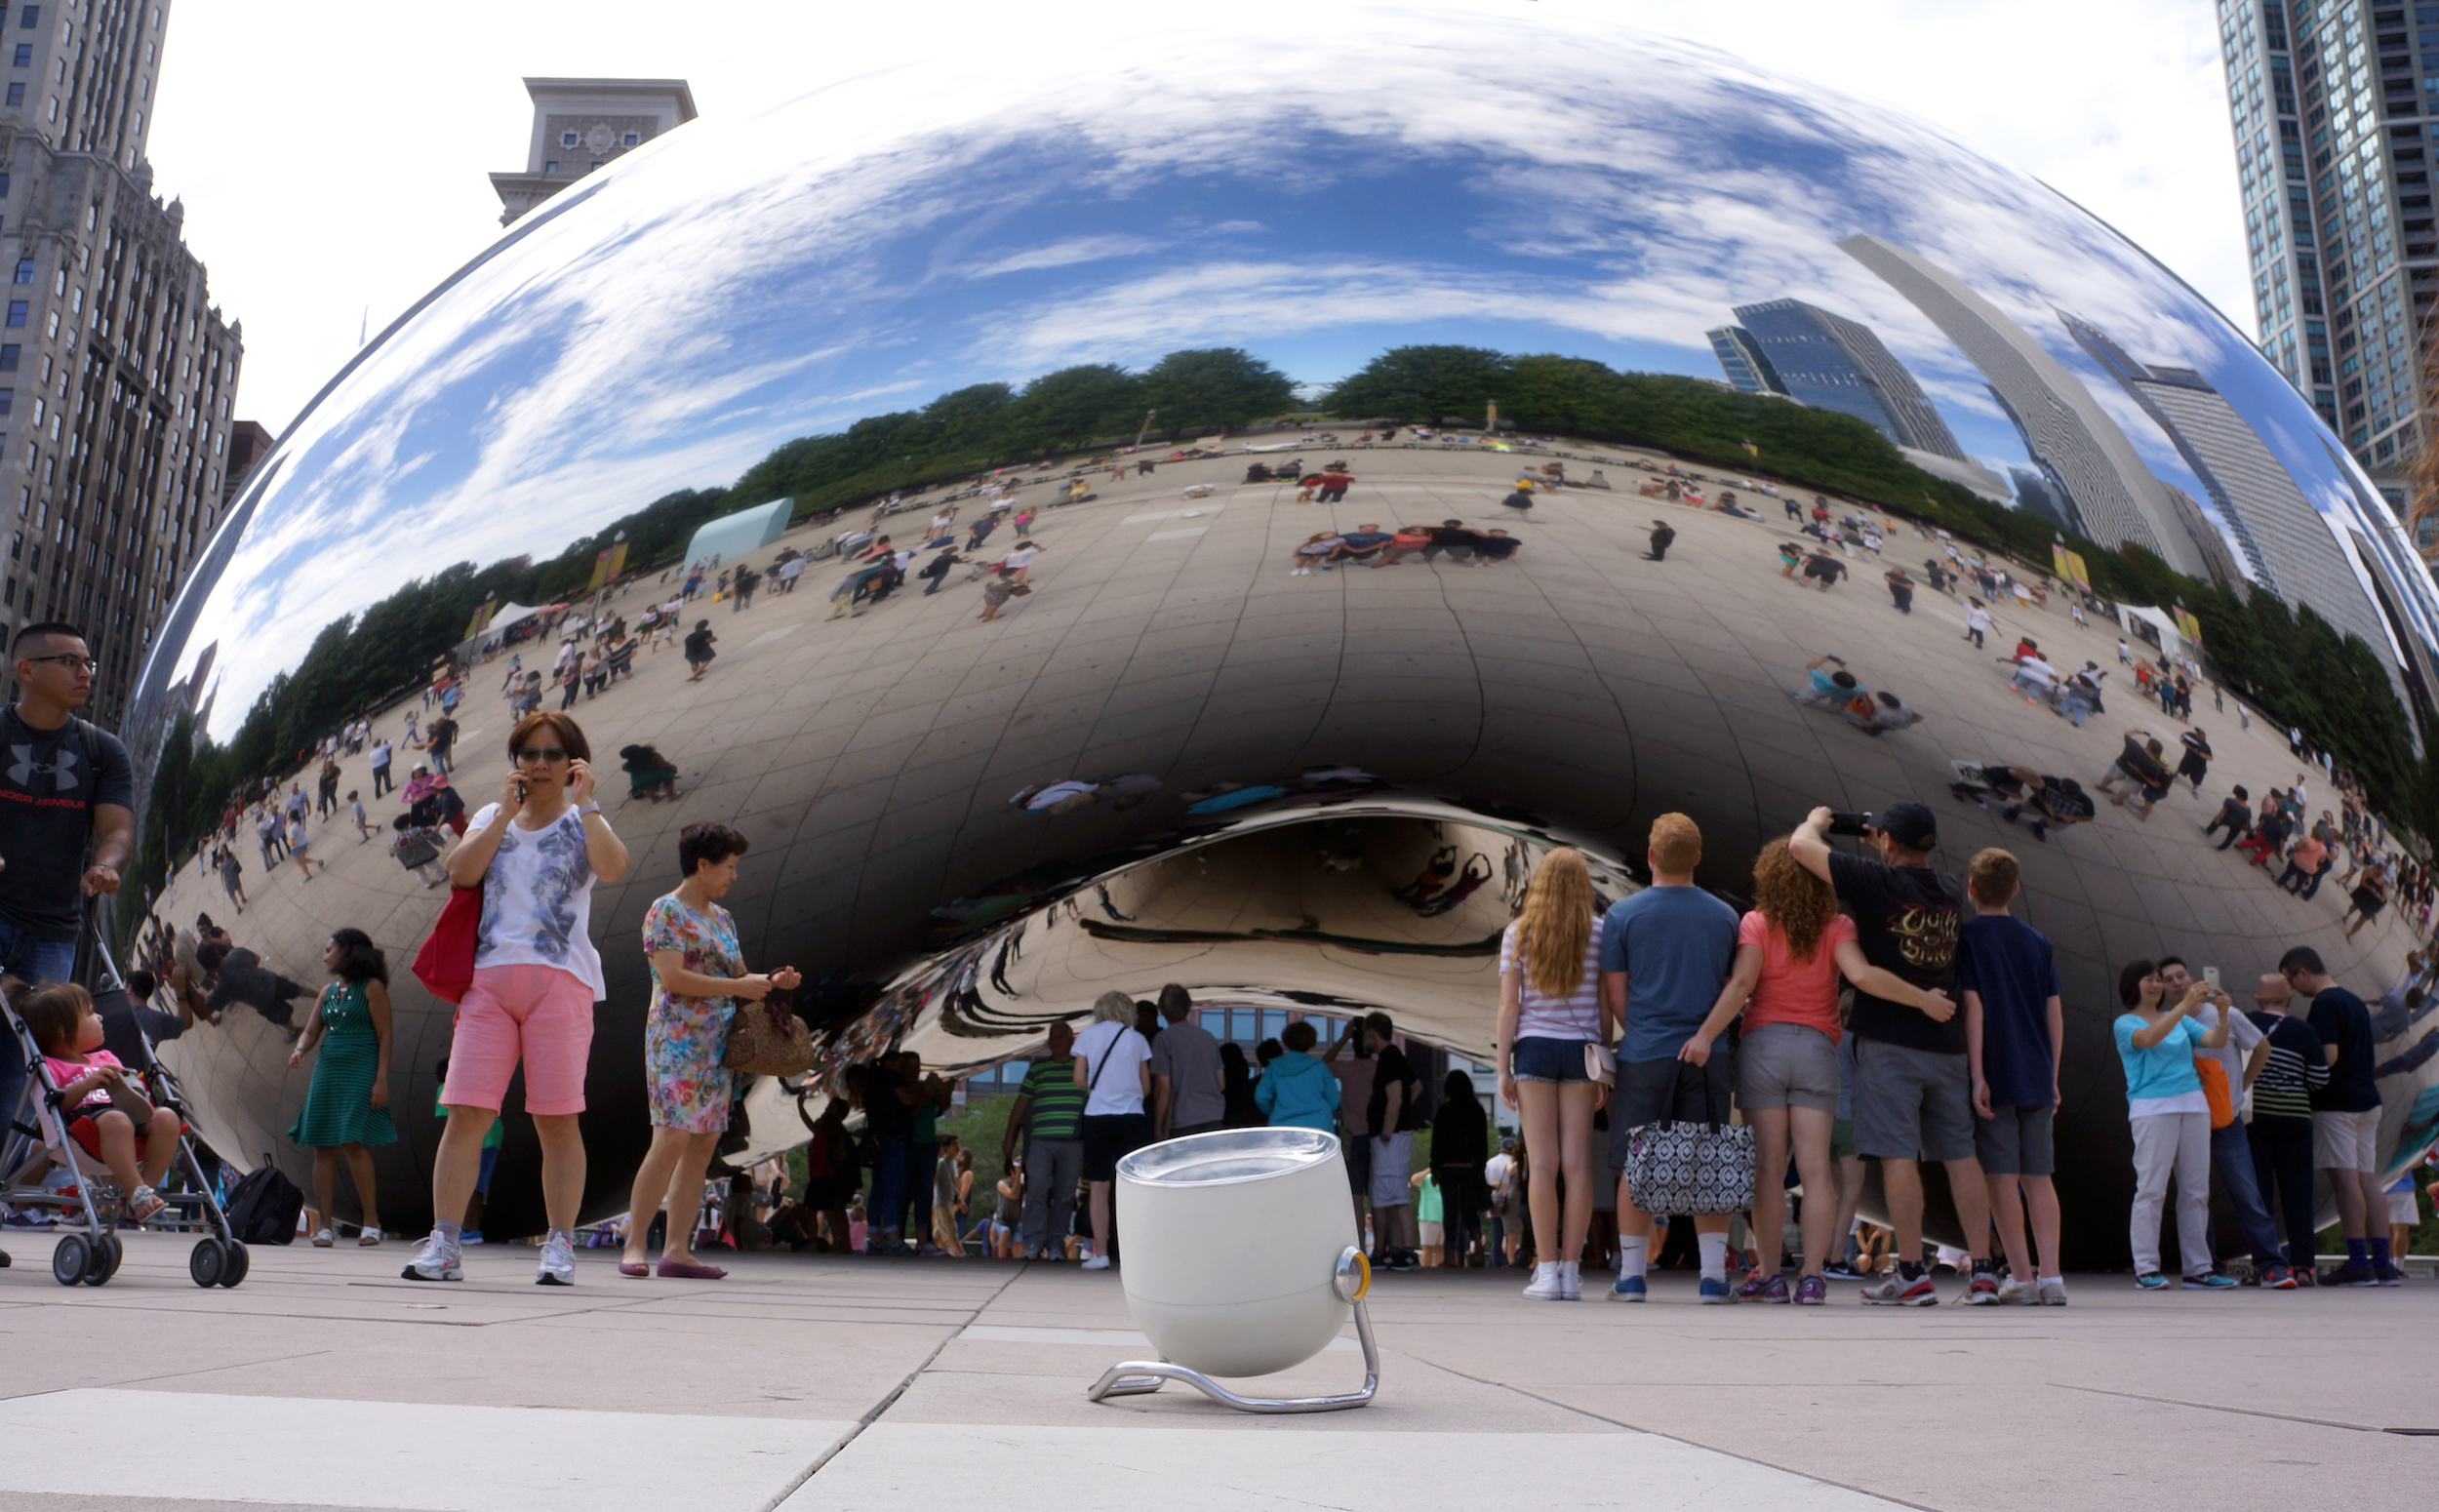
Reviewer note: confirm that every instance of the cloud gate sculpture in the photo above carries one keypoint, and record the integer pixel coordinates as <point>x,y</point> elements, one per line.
<point>1646,274</point>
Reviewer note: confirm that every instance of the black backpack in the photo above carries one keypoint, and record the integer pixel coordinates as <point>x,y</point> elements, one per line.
<point>264,1205</point>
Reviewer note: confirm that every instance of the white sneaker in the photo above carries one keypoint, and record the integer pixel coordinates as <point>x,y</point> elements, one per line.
<point>1097,1262</point>
<point>1548,1285</point>
<point>1570,1280</point>
<point>558,1264</point>
<point>437,1261</point>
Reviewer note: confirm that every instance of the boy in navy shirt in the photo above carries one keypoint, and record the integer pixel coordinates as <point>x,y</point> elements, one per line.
<point>2014,1027</point>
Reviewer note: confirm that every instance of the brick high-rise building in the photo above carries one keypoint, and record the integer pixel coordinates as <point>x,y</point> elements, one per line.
<point>117,373</point>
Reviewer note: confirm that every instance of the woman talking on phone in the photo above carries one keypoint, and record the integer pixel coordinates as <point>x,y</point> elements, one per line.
<point>535,854</point>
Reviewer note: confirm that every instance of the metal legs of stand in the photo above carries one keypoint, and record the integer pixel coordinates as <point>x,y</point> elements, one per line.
<point>1134,1377</point>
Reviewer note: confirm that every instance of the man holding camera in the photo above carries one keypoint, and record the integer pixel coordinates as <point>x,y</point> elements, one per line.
<point>1913,1086</point>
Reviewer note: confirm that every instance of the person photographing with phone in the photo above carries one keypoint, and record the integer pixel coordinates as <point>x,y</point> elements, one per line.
<point>535,854</point>
<point>2170,1117</point>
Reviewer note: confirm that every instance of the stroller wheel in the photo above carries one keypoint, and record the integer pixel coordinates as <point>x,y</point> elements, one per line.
<point>205,1265</point>
<point>109,1250</point>
<point>69,1260</point>
<point>238,1261</point>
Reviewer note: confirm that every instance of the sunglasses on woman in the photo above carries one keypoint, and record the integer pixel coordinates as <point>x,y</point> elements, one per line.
<point>543,753</point>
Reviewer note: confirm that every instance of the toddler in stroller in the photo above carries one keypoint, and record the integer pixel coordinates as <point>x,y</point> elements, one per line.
<point>104,1109</point>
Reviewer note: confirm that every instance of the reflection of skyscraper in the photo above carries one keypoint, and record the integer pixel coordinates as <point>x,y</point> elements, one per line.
<point>1834,363</point>
<point>2037,493</point>
<point>2067,432</point>
<point>2217,558</point>
<point>2199,423</point>
<point>1749,371</point>
<point>2287,541</point>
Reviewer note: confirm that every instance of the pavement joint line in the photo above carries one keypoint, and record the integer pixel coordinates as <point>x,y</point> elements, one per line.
<point>1750,1459</point>
<point>2248,1412</point>
<point>886,1403</point>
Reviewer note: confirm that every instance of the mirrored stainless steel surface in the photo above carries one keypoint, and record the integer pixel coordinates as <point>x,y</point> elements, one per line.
<point>1179,758</point>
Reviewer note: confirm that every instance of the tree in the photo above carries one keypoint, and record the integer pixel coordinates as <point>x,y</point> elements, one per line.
<point>1072,407</point>
<point>1217,388</point>
<point>1427,384</point>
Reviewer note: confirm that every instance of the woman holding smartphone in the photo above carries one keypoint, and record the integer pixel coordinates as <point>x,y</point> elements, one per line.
<point>535,854</point>
<point>2171,1116</point>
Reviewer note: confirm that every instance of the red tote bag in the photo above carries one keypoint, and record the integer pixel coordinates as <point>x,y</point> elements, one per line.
<point>446,963</point>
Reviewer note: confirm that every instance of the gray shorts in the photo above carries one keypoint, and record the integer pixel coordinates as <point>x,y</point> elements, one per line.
<point>1911,1105</point>
<point>1653,1092</point>
<point>1782,1065</point>
<point>1392,1165</point>
<point>2016,1141</point>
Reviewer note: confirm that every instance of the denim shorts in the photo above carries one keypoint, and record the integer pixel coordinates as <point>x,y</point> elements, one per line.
<point>1538,1060</point>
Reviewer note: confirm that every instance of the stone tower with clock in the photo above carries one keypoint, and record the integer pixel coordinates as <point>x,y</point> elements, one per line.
<point>580,124</point>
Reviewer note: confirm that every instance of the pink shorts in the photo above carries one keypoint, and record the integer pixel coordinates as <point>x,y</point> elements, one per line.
<point>539,1014</point>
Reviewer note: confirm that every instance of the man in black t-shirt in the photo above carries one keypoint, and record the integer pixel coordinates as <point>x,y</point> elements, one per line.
<point>2138,763</point>
<point>1392,1119</point>
<point>66,788</point>
<point>1913,1086</point>
<point>2345,1121</point>
<point>442,734</point>
<point>2235,816</point>
<point>1450,536</point>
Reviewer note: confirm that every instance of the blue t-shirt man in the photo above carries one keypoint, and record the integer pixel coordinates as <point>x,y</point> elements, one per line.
<point>1675,945</point>
<point>2009,965</point>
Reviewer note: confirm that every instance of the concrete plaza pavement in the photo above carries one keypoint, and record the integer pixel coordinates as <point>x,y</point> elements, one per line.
<point>815,1382</point>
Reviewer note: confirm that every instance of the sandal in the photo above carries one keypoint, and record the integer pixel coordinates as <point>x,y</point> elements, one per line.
<point>322,1239</point>
<point>368,1238</point>
<point>145,1205</point>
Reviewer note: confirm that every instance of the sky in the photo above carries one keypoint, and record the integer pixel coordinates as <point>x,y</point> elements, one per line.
<point>333,162</point>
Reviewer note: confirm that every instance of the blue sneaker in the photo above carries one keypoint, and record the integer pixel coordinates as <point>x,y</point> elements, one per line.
<point>2151,1281</point>
<point>1628,1289</point>
<point>2209,1281</point>
<point>1716,1292</point>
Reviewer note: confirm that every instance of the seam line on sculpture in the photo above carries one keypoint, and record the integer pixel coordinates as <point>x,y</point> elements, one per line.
<point>1583,1411</point>
<point>874,1416</point>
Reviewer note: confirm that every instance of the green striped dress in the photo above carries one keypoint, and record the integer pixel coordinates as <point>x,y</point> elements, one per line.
<point>336,1107</point>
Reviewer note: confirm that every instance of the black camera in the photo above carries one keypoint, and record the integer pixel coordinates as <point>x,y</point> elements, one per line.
<point>1843,823</point>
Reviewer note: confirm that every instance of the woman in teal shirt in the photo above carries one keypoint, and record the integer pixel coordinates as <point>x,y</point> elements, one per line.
<point>2171,1116</point>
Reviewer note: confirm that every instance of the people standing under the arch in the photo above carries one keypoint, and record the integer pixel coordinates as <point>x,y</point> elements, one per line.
<point>346,1105</point>
<point>1113,1066</point>
<point>1297,1089</point>
<point>1236,1088</point>
<point>2015,1036</point>
<point>1049,1113</point>
<point>1392,1115</point>
<point>1460,1147</point>
<point>1549,1017</point>
<point>2345,1121</point>
<point>1666,952</point>
<point>2169,1115</point>
<point>2240,1057</point>
<point>1913,1089</point>
<point>535,854</point>
<point>699,980</point>
<point>1189,1089</point>
<point>2280,1132</point>
<point>68,819</point>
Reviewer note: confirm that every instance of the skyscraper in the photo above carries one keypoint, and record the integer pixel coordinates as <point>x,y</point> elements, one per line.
<point>117,373</point>
<point>1834,363</point>
<point>2329,102</point>
<point>2035,492</point>
<point>2066,429</point>
<point>1740,358</point>
<point>580,124</point>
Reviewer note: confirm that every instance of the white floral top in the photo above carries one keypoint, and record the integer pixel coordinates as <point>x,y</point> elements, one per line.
<point>538,900</point>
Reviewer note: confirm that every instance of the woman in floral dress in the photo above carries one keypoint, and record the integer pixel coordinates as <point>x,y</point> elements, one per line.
<point>698,974</point>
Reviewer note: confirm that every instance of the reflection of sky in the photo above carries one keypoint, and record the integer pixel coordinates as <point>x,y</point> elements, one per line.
<point>1385,179</point>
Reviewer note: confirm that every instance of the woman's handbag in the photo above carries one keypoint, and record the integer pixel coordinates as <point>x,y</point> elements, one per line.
<point>445,965</point>
<point>768,1039</point>
<point>1600,1063</point>
<point>1674,1167</point>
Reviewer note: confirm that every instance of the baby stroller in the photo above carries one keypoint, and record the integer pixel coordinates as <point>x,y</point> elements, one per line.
<point>78,1186</point>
